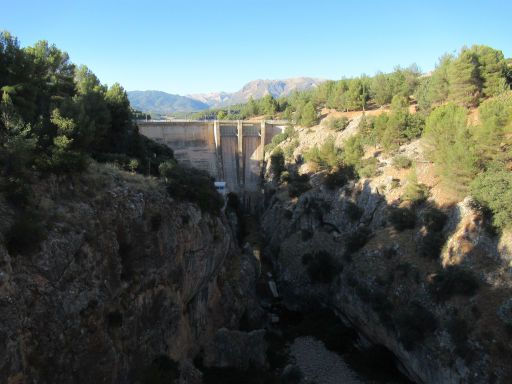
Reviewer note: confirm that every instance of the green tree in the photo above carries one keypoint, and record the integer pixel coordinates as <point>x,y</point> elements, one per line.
<point>120,135</point>
<point>277,163</point>
<point>353,150</point>
<point>308,116</point>
<point>493,188</point>
<point>452,147</point>
<point>495,125</point>
<point>358,93</point>
<point>464,79</point>
<point>381,88</point>
<point>250,108</point>
<point>269,105</point>
<point>414,191</point>
<point>493,70</point>
<point>323,93</point>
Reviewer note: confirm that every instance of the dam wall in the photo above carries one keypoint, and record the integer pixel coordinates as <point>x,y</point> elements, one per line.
<point>230,151</point>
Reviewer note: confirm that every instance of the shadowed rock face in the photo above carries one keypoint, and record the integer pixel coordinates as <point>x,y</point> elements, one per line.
<point>124,275</point>
<point>438,315</point>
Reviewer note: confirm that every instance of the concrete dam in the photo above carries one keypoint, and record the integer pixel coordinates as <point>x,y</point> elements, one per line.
<point>230,151</point>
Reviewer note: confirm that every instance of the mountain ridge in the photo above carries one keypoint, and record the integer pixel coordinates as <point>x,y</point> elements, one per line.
<point>163,102</point>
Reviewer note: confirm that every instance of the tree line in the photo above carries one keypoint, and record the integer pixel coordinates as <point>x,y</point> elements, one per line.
<point>55,115</point>
<point>474,74</point>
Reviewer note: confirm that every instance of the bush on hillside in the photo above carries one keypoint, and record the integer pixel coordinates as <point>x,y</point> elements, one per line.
<point>321,266</point>
<point>326,156</point>
<point>339,176</point>
<point>368,167</point>
<point>415,192</point>
<point>356,240</point>
<point>434,219</point>
<point>352,210</point>
<point>493,189</point>
<point>401,162</point>
<point>277,163</point>
<point>454,280</point>
<point>192,185</point>
<point>298,185</point>
<point>431,244</point>
<point>413,324</point>
<point>402,218</point>
<point>337,124</point>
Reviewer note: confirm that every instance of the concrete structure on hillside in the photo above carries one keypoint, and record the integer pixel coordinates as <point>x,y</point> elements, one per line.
<point>230,151</point>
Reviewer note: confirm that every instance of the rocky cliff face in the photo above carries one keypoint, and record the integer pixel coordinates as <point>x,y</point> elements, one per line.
<point>124,275</point>
<point>441,311</point>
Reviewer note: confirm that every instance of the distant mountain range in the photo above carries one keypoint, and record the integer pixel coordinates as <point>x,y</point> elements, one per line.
<point>165,103</point>
<point>162,102</point>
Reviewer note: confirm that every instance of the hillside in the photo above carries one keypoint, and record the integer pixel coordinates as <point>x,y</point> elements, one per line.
<point>410,264</point>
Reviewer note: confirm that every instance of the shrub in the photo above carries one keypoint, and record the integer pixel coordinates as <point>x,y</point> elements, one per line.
<point>368,167</point>
<point>434,219</point>
<point>298,185</point>
<point>339,177</point>
<point>289,149</point>
<point>401,162</point>
<point>356,240</point>
<point>402,218</point>
<point>285,177</point>
<point>395,183</point>
<point>493,189</point>
<point>337,124</point>
<point>413,324</point>
<point>277,163</point>
<point>321,266</point>
<point>414,191</point>
<point>458,329</point>
<point>353,211</point>
<point>192,185</point>
<point>431,244</point>
<point>326,156</point>
<point>454,280</point>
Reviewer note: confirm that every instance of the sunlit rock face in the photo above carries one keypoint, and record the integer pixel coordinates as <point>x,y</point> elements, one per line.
<point>124,275</point>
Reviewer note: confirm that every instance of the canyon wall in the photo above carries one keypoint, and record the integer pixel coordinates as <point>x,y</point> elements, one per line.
<point>123,276</point>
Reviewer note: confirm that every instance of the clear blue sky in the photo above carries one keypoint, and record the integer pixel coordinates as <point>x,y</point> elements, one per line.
<point>203,46</point>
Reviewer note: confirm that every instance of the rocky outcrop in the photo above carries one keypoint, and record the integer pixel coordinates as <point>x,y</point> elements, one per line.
<point>124,275</point>
<point>441,316</point>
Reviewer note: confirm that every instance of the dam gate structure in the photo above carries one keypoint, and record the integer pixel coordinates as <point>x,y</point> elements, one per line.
<point>231,151</point>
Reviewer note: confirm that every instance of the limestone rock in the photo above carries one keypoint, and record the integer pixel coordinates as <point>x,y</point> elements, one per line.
<point>125,274</point>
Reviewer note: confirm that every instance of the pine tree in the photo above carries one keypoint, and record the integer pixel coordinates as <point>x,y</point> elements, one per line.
<point>464,79</point>
<point>308,116</point>
<point>492,70</point>
<point>381,89</point>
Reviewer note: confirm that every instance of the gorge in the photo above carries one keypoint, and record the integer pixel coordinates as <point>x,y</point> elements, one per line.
<point>363,233</point>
